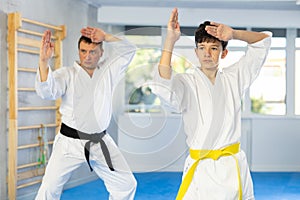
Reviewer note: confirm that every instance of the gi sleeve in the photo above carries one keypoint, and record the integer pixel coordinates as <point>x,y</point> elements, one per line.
<point>117,56</point>
<point>55,85</point>
<point>249,66</point>
<point>170,91</point>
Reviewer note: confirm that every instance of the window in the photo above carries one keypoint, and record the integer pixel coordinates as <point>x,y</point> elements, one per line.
<point>138,95</point>
<point>297,74</point>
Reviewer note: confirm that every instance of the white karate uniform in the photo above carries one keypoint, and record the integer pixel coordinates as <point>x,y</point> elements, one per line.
<point>212,120</point>
<point>87,106</point>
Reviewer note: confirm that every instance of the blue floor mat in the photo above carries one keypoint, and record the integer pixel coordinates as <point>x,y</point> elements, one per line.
<point>164,186</point>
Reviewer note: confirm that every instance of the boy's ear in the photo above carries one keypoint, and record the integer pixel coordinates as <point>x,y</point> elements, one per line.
<point>195,49</point>
<point>224,53</point>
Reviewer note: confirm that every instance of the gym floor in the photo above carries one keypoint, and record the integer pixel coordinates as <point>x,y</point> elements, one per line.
<point>164,186</point>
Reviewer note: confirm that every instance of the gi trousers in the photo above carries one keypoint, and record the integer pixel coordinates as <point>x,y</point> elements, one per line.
<point>68,155</point>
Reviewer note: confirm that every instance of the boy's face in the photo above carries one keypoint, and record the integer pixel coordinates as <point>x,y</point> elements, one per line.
<point>209,54</point>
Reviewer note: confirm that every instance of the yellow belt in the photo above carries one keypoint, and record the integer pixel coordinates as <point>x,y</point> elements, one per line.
<point>213,154</point>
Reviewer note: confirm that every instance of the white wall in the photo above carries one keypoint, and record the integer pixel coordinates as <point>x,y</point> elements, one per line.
<point>3,106</point>
<point>152,142</point>
<point>194,16</point>
<point>275,144</point>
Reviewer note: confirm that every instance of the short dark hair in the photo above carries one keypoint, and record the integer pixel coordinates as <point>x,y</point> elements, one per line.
<point>87,40</point>
<point>201,35</point>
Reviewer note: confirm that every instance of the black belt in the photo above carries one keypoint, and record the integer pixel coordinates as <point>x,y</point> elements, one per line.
<point>95,138</point>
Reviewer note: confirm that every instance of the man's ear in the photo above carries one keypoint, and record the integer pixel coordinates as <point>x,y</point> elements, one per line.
<point>224,53</point>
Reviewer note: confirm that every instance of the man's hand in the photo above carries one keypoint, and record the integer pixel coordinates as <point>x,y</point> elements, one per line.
<point>220,31</point>
<point>95,34</point>
<point>47,48</point>
<point>46,53</point>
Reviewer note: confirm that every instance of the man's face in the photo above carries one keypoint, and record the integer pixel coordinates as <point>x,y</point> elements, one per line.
<point>89,54</point>
<point>209,54</point>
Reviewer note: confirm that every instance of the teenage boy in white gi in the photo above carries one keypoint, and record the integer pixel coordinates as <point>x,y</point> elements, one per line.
<point>86,90</point>
<point>210,102</point>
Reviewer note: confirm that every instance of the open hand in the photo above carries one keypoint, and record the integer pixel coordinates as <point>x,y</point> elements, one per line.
<point>173,26</point>
<point>47,47</point>
<point>220,31</point>
<point>95,34</point>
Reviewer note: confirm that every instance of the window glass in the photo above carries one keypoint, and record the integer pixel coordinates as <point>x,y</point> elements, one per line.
<point>297,74</point>
<point>297,43</point>
<point>297,82</point>
<point>236,43</point>
<point>278,42</point>
<point>138,95</point>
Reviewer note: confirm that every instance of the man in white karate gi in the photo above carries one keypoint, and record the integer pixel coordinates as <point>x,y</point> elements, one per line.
<point>86,90</point>
<point>210,102</point>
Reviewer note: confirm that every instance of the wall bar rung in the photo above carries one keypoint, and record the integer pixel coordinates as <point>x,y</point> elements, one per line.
<point>29,184</point>
<point>37,108</point>
<point>29,165</point>
<point>36,126</point>
<point>26,89</point>
<point>33,145</point>
<point>34,33</point>
<point>42,24</point>
<point>24,69</point>
<point>28,51</point>
<point>31,173</point>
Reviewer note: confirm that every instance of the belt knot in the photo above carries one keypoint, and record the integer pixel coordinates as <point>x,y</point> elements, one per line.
<point>201,154</point>
<point>92,138</point>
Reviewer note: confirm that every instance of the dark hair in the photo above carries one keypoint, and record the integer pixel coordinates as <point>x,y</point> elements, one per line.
<point>201,35</point>
<point>87,40</point>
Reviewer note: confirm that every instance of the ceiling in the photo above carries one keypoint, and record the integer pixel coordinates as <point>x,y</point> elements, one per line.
<point>216,4</point>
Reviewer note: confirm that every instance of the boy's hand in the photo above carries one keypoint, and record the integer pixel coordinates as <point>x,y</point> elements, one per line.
<point>173,27</point>
<point>220,31</point>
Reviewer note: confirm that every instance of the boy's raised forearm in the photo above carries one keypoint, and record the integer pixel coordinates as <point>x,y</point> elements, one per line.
<point>249,36</point>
